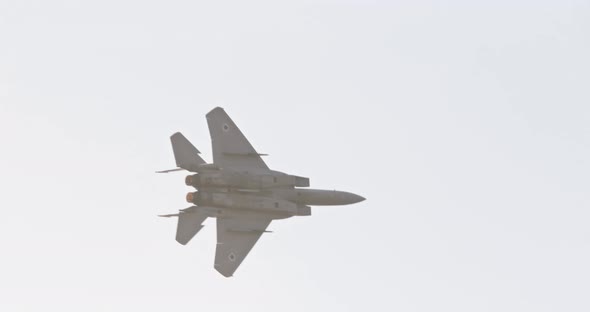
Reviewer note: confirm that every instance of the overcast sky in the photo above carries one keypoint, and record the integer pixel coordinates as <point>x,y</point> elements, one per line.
<point>465,124</point>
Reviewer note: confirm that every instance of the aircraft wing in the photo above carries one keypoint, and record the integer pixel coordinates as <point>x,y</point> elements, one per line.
<point>230,146</point>
<point>235,238</point>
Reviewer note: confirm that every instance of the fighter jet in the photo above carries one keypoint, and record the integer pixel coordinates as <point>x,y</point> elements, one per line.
<point>240,191</point>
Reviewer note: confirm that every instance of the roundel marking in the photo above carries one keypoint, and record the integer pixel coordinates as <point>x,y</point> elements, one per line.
<point>231,257</point>
<point>225,127</point>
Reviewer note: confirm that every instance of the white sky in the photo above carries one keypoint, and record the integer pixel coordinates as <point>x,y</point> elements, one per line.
<point>465,124</point>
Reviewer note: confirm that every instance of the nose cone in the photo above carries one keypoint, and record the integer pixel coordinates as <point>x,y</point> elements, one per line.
<point>350,198</point>
<point>356,198</point>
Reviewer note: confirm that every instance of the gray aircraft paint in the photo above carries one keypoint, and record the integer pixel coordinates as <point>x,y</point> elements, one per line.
<point>240,191</point>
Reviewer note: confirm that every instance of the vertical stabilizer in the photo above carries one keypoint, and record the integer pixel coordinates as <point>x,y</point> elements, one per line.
<point>186,154</point>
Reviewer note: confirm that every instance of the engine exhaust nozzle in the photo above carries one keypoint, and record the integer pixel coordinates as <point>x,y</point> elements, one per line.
<point>192,197</point>
<point>192,180</point>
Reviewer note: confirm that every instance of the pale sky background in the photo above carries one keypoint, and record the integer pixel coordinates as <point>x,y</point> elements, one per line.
<point>465,124</point>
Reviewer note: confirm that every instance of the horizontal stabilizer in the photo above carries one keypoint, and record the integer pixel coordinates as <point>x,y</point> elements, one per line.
<point>185,153</point>
<point>189,224</point>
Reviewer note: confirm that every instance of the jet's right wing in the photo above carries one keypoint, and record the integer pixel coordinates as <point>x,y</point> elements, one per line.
<point>235,238</point>
<point>230,146</point>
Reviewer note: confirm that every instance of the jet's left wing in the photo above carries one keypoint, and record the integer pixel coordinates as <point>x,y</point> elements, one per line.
<point>235,238</point>
<point>230,146</point>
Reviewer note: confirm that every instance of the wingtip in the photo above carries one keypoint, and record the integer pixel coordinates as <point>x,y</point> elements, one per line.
<point>215,110</point>
<point>218,268</point>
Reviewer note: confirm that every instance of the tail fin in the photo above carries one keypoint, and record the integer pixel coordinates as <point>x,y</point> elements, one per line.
<point>186,155</point>
<point>189,224</point>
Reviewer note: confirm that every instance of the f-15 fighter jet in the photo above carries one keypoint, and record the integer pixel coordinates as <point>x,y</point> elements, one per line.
<point>240,191</point>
